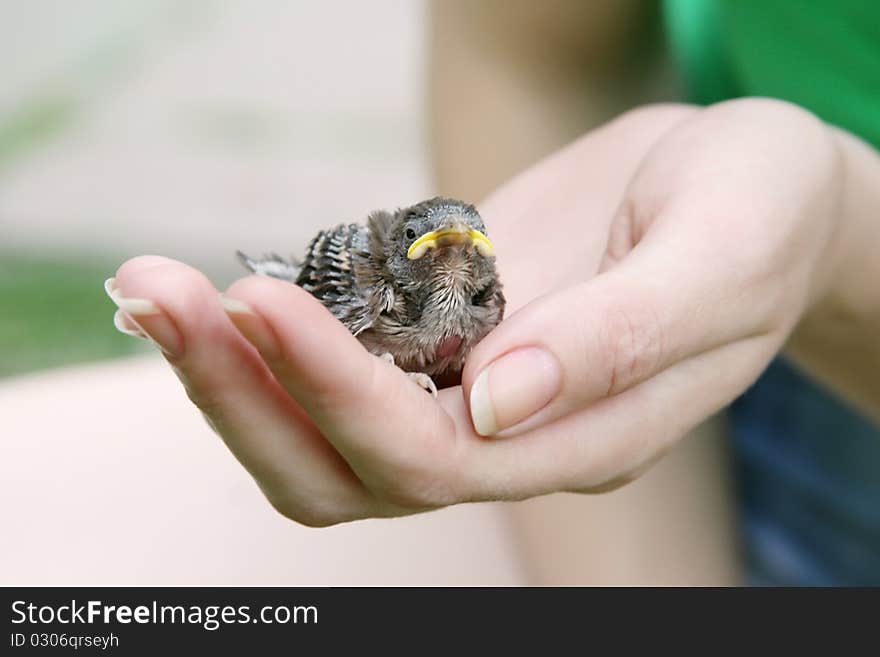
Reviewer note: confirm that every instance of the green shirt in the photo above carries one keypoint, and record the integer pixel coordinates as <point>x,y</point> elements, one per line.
<point>823,56</point>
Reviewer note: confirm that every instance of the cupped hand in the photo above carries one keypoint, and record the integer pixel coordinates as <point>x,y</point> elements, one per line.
<point>726,234</point>
<point>652,269</point>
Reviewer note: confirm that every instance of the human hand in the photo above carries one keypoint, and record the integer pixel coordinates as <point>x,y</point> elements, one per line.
<point>727,234</point>
<point>714,254</point>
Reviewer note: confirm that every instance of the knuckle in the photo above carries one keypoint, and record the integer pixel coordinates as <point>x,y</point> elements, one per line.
<point>315,520</point>
<point>650,117</point>
<point>140,263</point>
<point>306,513</point>
<point>773,112</point>
<point>630,345</point>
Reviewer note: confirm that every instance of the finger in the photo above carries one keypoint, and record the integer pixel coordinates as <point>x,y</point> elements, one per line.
<point>616,439</point>
<point>397,438</point>
<point>592,449</point>
<point>665,301</point>
<point>271,436</point>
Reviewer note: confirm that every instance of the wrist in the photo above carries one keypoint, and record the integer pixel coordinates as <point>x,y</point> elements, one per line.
<point>837,338</point>
<point>848,287</point>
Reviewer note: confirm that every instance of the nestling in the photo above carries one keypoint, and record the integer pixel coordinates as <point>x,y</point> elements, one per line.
<point>417,286</point>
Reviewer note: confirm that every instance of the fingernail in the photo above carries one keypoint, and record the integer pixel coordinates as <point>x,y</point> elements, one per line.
<point>144,319</point>
<point>129,305</point>
<point>512,388</point>
<point>123,325</point>
<point>254,328</point>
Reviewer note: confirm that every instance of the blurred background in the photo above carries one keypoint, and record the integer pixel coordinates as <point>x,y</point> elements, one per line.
<point>192,128</point>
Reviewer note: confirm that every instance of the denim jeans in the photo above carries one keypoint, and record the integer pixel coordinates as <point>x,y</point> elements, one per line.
<point>808,471</point>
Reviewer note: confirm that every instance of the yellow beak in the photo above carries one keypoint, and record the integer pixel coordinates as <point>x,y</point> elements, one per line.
<point>458,234</point>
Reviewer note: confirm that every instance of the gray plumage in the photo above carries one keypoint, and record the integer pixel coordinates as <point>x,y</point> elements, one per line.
<point>418,283</point>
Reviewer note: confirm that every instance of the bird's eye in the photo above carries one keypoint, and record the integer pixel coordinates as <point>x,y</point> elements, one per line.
<point>481,296</point>
<point>410,234</point>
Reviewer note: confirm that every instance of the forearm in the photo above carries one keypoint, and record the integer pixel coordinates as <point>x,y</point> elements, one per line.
<point>838,340</point>
<point>511,82</point>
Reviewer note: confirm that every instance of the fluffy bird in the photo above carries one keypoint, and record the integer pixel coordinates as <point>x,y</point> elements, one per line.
<point>417,286</point>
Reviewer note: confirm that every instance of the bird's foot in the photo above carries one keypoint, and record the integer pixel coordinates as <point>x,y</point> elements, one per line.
<point>420,378</point>
<point>424,381</point>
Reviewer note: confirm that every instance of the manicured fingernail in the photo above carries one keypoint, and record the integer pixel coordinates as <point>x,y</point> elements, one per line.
<point>235,306</point>
<point>143,316</point>
<point>253,327</point>
<point>512,388</point>
<point>123,325</point>
<point>128,305</point>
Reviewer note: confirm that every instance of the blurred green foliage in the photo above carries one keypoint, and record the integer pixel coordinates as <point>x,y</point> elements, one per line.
<point>53,311</point>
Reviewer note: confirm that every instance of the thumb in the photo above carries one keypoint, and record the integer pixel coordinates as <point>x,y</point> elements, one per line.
<point>598,338</point>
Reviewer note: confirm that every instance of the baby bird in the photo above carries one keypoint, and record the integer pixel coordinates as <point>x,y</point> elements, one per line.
<point>417,286</point>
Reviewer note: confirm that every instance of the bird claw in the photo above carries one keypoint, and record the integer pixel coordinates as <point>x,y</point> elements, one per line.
<point>420,378</point>
<point>424,381</point>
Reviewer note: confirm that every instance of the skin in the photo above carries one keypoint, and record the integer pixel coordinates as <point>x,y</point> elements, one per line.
<point>679,250</point>
<point>543,75</point>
